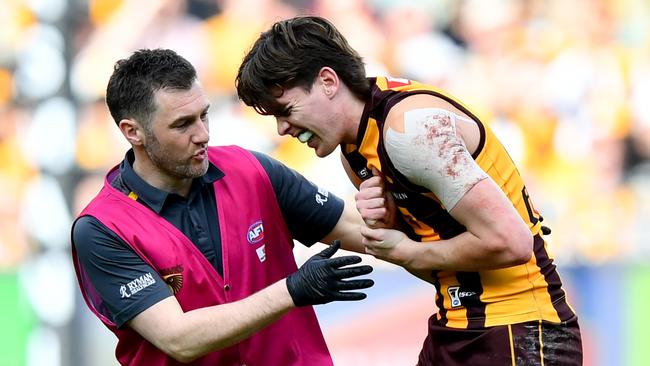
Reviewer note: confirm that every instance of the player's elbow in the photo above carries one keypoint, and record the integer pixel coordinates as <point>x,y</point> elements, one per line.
<point>522,248</point>
<point>514,244</point>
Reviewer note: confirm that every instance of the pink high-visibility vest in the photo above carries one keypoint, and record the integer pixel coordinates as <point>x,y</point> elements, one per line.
<point>257,252</point>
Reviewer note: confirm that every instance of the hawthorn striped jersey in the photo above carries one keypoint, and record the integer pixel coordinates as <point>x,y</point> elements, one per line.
<point>530,291</point>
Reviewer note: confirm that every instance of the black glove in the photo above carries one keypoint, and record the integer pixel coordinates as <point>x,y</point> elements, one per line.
<point>319,280</point>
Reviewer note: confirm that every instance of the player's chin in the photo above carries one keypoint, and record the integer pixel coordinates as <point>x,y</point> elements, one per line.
<point>323,150</point>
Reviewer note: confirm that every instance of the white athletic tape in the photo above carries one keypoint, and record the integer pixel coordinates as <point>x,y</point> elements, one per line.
<point>430,154</point>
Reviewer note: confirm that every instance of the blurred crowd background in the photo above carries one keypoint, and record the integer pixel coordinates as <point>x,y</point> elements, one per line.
<point>565,84</point>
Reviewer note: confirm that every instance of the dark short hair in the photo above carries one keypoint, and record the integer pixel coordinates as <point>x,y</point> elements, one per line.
<point>131,88</point>
<point>290,54</point>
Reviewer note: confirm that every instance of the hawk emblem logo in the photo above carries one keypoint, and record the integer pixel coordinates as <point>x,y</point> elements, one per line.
<point>173,277</point>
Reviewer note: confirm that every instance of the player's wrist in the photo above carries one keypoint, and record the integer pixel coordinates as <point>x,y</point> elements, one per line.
<point>409,256</point>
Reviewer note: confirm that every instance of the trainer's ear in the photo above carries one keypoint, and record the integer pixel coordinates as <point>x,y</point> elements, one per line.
<point>132,131</point>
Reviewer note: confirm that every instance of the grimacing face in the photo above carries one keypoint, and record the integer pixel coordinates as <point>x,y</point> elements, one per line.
<point>176,138</point>
<point>310,118</point>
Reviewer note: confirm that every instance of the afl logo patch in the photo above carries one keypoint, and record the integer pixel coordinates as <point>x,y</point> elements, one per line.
<point>255,232</point>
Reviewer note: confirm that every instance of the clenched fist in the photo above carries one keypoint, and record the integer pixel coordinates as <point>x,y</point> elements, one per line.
<point>374,203</point>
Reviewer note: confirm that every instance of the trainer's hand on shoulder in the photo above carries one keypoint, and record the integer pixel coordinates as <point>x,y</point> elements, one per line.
<point>321,279</point>
<point>374,203</point>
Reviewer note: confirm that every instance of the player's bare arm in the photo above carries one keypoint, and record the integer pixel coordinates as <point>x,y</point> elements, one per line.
<point>425,140</point>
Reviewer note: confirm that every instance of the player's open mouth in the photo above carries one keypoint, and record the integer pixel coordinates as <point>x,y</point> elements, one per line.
<point>305,136</point>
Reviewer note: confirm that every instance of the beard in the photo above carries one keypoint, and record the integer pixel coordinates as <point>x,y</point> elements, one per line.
<point>170,164</point>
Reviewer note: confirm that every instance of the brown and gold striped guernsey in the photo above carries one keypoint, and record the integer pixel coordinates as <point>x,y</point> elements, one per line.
<point>531,291</point>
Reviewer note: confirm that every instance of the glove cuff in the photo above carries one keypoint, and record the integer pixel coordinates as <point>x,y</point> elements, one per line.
<point>295,290</point>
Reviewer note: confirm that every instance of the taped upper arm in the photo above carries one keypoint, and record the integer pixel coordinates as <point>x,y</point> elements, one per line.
<point>430,153</point>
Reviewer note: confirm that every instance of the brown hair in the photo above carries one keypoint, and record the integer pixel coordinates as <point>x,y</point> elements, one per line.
<point>291,53</point>
<point>131,88</point>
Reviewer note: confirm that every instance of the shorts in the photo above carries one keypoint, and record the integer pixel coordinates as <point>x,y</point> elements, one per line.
<point>531,343</point>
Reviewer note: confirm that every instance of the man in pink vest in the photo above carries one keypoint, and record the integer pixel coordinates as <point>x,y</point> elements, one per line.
<point>186,252</point>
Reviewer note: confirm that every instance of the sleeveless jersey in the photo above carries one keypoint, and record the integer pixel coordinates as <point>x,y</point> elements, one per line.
<point>257,252</point>
<point>530,291</point>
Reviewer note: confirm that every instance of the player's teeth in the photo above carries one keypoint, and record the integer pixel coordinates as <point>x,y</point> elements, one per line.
<point>305,136</point>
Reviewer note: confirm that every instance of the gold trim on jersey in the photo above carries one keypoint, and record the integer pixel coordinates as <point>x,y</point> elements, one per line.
<point>368,147</point>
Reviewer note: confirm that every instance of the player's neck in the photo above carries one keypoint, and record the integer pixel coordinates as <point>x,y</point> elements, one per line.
<point>352,109</point>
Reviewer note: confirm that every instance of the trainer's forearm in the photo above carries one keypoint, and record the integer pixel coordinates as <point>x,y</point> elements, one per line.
<point>348,230</point>
<point>190,335</point>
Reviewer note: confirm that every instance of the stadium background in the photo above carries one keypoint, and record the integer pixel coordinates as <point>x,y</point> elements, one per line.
<point>565,84</point>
